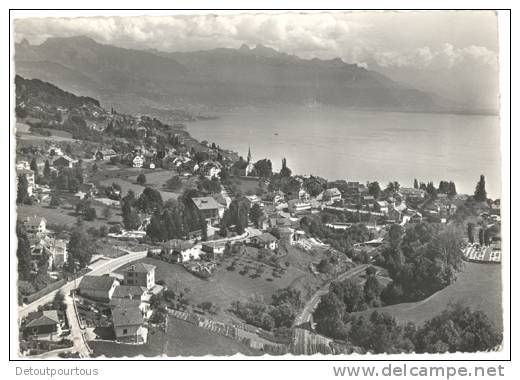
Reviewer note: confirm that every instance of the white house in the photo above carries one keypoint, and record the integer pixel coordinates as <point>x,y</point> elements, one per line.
<point>36,224</point>
<point>138,161</point>
<point>331,195</point>
<point>297,205</point>
<point>181,250</point>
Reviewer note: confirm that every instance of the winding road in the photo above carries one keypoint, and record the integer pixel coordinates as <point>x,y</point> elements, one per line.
<point>312,303</point>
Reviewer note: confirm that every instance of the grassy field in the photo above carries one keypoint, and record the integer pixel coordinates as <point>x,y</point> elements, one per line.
<point>181,339</point>
<point>227,286</point>
<point>22,132</point>
<point>478,286</point>
<point>130,184</point>
<point>246,186</point>
<point>68,216</point>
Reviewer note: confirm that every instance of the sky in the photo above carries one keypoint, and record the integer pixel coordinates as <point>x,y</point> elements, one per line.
<point>444,51</point>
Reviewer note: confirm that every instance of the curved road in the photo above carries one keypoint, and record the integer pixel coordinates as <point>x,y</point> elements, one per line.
<point>312,303</point>
<point>98,268</point>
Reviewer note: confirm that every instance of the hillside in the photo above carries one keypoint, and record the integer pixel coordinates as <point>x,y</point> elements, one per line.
<point>138,79</point>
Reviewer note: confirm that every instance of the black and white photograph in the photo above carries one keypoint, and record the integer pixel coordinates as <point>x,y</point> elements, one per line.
<point>258,184</point>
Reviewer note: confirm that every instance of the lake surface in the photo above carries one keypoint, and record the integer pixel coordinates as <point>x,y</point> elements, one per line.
<point>338,143</point>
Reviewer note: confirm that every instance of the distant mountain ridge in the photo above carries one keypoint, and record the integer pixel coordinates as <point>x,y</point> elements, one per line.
<point>133,80</point>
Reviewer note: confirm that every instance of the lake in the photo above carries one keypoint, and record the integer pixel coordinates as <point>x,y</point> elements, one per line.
<point>337,143</point>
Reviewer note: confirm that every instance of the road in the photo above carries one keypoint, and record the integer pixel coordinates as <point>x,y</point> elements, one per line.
<point>312,303</point>
<point>98,268</point>
<point>76,333</point>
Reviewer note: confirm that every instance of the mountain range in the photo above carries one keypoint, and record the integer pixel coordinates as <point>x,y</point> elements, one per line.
<point>143,80</point>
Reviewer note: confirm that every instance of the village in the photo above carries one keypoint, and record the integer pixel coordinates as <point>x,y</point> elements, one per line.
<point>126,222</point>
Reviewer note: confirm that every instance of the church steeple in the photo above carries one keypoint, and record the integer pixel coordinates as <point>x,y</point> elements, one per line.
<point>249,155</point>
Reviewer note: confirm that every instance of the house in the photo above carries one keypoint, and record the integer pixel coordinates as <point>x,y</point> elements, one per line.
<point>57,249</point>
<point>142,304</point>
<point>64,162</point>
<point>23,165</point>
<point>128,324</point>
<point>217,248</point>
<point>98,288</point>
<point>253,199</point>
<point>297,205</point>
<point>412,193</point>
<point>131,292</point>
<point>211,169</point>
<point>210,209</point>
<point>36,225</point>
<point>396,212</point>
<point>304,195</point>
<point>29,175</point>
<point>181,250</point>
<point>55,151</point>
<point>138,161</point>
<point>265,240</point>
<point>43,325</point>
<point>495,207</point>
<point>382,206</point>
<point>290,235</point>
<point>140,274</point>
<point>415,217</point>
<point>105,154</point>
<point>331,195</point>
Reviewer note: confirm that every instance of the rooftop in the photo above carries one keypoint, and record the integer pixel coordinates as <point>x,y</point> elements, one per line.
<point>130,316</point>
<point>139,268</point>
<point>206,203</point>
<point>128,291</point>
<point>178,245</point>
<point>96,282</point>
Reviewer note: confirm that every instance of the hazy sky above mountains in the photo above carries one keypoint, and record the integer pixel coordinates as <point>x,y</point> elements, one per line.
<point>446,52</point>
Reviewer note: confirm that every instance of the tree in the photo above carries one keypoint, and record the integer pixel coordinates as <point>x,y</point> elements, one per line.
<point>47,169</point>
<point>95,168</point>
<point>55,202</point>
<point>452,189</point>
<point>107,212</point>
<point>324,266</point>
<point>457,329</point>
<point>264,168</point>
<point>141,179</point>
<point>374,189</point>
<point>23,252</point>
<point>329,316</point>
<point>80,247</point>
<point>372,290</point>
<point>22,195</point>
<point>471,229</point>
<point>174,183</point>
<point>90,214</point>
<point>480,190</point>
<point>149,200</point>
<point>255,213</point>
<point>350,293</point>
<point>285,171</point>
<point>34,166</point>
<point>415,184</point>
<point>431,190</point>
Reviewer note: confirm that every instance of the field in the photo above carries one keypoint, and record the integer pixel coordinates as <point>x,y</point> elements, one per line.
<point>227,286</point>
<point>22,132</point>
<point>246,186</point>
<point>181,339</point>
<point>127,181</point>
<point>68,216</point>
<point>478,286</point>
